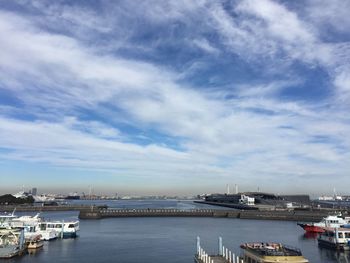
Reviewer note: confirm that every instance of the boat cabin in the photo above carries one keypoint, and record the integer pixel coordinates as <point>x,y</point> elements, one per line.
<point>65,229</point>
<point>271,252</point>
<point>334,221</point>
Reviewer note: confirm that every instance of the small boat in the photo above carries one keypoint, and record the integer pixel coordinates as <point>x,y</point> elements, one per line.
<point>12,242</point>
<point>68,229</point>
<point>271,252</point>
<point>329,221</point>
<point>35,242</point>
<point>335,238</point>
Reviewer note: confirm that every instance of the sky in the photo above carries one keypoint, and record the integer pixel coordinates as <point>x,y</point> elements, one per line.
<point>175,97</point>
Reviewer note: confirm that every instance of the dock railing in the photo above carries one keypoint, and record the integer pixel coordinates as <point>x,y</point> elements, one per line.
<point>224,255</point>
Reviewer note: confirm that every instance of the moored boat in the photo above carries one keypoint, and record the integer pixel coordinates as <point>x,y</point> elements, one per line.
<point>67,229</point>
<point>12,242</point>
<point>31,226</point>
<point>329,221</point>
<point>335,238</point>
<point>271,252</point>
<point>6,218</point>
<point>35,242</point>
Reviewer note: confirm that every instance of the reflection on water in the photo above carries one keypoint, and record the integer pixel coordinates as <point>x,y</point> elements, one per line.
<point>310,235</point>
<point>33,252</point>
<point>334,256</point>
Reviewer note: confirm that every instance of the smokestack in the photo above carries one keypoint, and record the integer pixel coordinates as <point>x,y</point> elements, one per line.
<point>228,189</point>
<point>236,188</point>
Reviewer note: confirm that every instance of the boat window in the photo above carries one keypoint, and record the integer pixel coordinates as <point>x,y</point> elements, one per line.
<point>330,234</point>
<point>340,235</point>
<point>347,234</point>
<point>58,226</point>
<point>71,226</point>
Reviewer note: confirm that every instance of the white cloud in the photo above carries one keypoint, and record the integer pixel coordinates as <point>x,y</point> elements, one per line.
<point>57,76</point>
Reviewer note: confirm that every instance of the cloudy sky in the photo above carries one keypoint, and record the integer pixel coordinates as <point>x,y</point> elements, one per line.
<point>179,97</point>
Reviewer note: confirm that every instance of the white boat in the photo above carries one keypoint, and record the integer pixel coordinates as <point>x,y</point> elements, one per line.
<point>34,225</point>
<point>336,238</point>
<point>68,229</point>
<point>6,218</point>
<point>35,242</point>
<point>12,242</point>
<point>329,221</point>
<point>31,227</point>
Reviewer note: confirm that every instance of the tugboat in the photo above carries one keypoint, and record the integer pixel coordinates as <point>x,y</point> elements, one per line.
<point>335,238</point>
<point>271,252</point>
<point>12,242</point>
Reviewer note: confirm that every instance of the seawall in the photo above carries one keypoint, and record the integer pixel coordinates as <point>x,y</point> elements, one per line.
<point>312,216</point>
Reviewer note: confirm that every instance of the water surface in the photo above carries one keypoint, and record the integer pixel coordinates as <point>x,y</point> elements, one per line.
<point>169,240</point>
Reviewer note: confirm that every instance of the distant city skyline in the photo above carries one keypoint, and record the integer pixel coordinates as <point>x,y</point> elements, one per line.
<point>178,97</point>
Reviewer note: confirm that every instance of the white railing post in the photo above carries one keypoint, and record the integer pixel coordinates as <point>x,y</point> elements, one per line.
<point>220,246</point>
<point>198,244</point>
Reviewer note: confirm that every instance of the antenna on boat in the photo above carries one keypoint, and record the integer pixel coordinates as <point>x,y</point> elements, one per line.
<point>13,212</point>
<point>37,215</point>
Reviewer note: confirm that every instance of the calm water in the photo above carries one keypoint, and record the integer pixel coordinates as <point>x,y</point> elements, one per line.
<point>170,240</point>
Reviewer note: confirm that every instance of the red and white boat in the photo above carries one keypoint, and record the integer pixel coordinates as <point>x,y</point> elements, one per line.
<point>333,221</point>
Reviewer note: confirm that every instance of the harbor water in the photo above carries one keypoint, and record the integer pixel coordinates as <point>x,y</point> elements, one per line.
<point>168,240</point>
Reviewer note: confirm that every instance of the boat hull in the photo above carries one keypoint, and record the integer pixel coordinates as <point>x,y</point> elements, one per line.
<point>326,244</point>
<point>312,228</point>
<point>11,251</point>
<point>35,245</point>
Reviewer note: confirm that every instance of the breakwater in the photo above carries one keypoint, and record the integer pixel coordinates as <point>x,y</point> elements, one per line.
<point>313,216</point>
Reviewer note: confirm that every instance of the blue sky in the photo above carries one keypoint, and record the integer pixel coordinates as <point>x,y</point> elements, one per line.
<point>180,97</point>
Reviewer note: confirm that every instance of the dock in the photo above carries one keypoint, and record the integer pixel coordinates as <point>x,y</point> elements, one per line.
<point>223,255</point>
